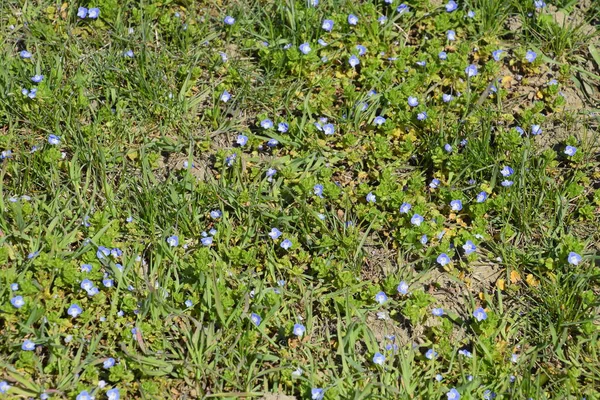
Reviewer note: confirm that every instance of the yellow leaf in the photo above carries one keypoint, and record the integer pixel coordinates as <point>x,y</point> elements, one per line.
<point>500,284</point>
<point>539,95</point>
<point>514,276</point>
<point>531,281</point>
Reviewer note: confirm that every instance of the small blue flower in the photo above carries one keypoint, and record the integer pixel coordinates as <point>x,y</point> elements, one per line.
<point>14,287</point>
<point>128,54</point>
<point>54,140</point>
<point>86,284</point>
<point>438,312</point>
<point>93,291</point>
<point>116,252</point>
<point>536,130</point>
<point>207,241</point>
<point>402,8</point>
<point>451,35</point>
<point>362,50</point>
<point>381,297</point>
<point>530,56</point>
<point>318,190</point>
<point>423,240</point>
<point>353,61</point>
<point>242,140</point>
<point>412,101</point>
<point>421,63</point>
<point>113,394</point>
<point>313,3</point>
<point>403,288</point>
<point>371,198</point>
<point>352,19</point>
<point>447,98</point>
<point>28,345</point>
<point>225,96</point>
<point>497,54</point>
<point>506,183</point>
<point>229,20</point>
<point>108,363</point>
<point>4,387</point>
<point>471,70</point>
<point>570,151</point>
<point>82,12</point>
<point>102,252</point>
<point>456,205</point>
<point>451,6</point>
<point>422,116</point>
<point>328,129</point>
<point>442,55</point>
<point>84,395</point>
<point>323,43</point>
<point>93,13</point>
<point>416,220</point>
<point>173,241</point>
<point>255,318</point>
<point>86,267</point>
<point>405,208</point>
<point>443,259</point>
<point>270,174</point>
<point>188,303</point>
<point>299,330</point>
<point>107,282</point>
<point>480,314</point>
<point>431,354</point>
<point>453,394</point>
<point>382,19</point>
<point>286,244</point>
<point>327,25</point>
<point>266,123</point>
<point>304,48</point>
<point>378,359</point>
<point>272,143</point>
<point>74,310</point>
<point>215,214</point>
<point>574,258</point>
<point>17,301</point>
<point>283,127</point>
<point>471,14</point>
<point>316,394</point>
<point>37,78</point>
<point>481,197</point>
<point>469,247</point>
<point>275,233</point>
<point>506,171</point>
<point>514,358</point>
<point>539,4</point>
<point>25,54</point>
<point>465,352</point>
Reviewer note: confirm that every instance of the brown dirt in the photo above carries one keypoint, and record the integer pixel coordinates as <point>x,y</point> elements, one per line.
<point>277,396</point>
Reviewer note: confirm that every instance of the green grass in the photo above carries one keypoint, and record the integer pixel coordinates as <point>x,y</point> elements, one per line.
<point>145,154</point>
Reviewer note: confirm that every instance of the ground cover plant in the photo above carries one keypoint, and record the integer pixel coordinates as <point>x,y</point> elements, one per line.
<point>299,199</point>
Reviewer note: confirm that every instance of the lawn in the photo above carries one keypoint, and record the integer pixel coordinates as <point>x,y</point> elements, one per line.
<point>291,199</point>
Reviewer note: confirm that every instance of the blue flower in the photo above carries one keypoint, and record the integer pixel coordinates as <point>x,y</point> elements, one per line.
<point>318,190</point>
<point>225,96</point>
<point>107,282</point>
<point>456,205</point>
<point>506,183</point>
<point>113,394</point>
<point>539,4</point>
<point>214,214</point>
<point>93,291</point>
<point>381,297</point>
<point>422,116</point>
<point>242,140</point>
<point>530,56</point>
<point>402,8</point>
<point>14,287</point>
<point>352,19</point>
<point>82,12</point>
<point>480,314</point>
<point>316,394</point>
<point>74,310</point>
<point>255,318</point>
<point>270,174</point>
<point>443,259</point>
<point>431,354</point>
<point>447,98</point>
<point>469,247</point>
<point>536,130</point>
<point>173,241</point>
<point>275,233</point>
<point>102,252</point>
<point>229,20</point>
<point>108,363</point>
<point>4,387</point>
<point>29,93</point>
<point>451,35</point>
<point>28,345</point>
<point>37,78</point>
<point>299,330</point>
<point>313,3</point>
<point>403,288</point>
<point>327,25</point>
<point>286,244</point>
<point>471,70</point>
<point>128,53</point>
<point>86,267</point>
<point>188,303</point>
<point>283,127</point>
<point>25,54</point>
<point>378,359</point>
<point>54,140</point>
<point>506,171</point>
<point>466,353</point>
<point>405,208</point>
<point>442,55</point>
<point>451,6</point>
<point>305,48</point>
<point>570,151</point>
<point>412,101</point>
<point>481,197</point>
<point>371,198</point>
<point>421,63</point>
<point>207,241</point>
<point>423,240</point>
<point>17,301</point>
<point>471,14</point>
<point>84,395</point>
<point>353,61</point>
<point>362,50</point>
<point>438,312</point>
<point>323,43</point>
<point>514,358</point>
<point>272,143</point>
<point>116,252</point>
<point>574,258</point>
<point>382,19</point>
<point>497,54</point>
<point>86,284</point>
<point>416,220</point>
<point>453,394</point>
<point>93,13</point>
<point>266,123</point>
